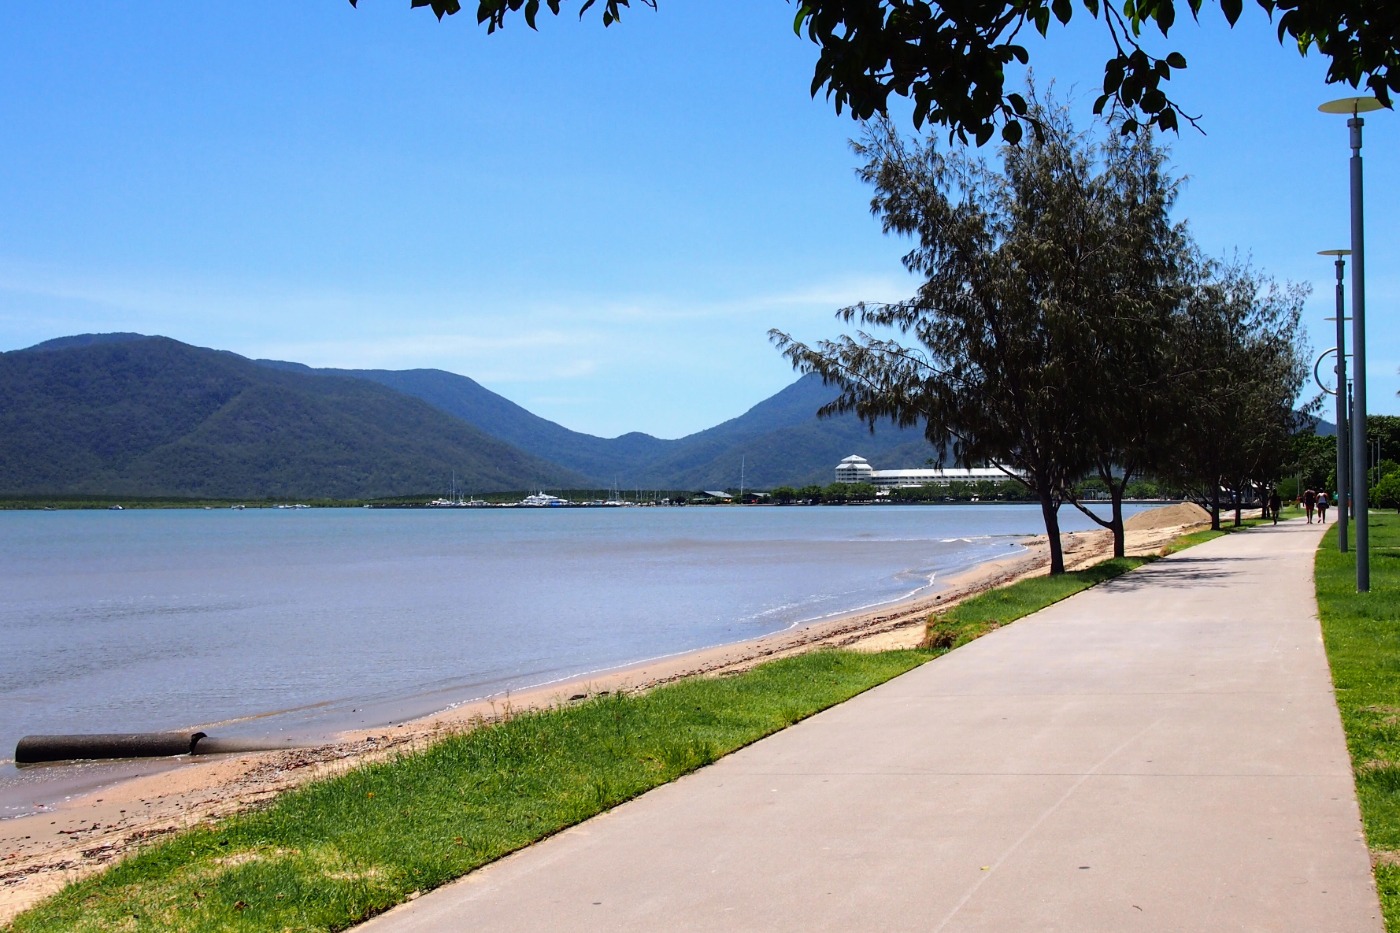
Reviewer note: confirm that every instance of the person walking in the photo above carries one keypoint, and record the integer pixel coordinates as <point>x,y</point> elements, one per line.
<point>1274,504</point>
<point>1309,503</point>
<point>1322,503</point>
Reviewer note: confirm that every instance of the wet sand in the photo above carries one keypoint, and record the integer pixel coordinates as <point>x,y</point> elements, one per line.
<point>42,852</point>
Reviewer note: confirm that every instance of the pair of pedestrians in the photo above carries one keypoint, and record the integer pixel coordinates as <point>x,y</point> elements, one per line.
<point>1314,500</point>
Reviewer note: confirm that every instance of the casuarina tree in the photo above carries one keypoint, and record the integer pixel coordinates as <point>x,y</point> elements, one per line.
<point>1134,286</point>
<point>1241,364</point>
<point>996,354</point>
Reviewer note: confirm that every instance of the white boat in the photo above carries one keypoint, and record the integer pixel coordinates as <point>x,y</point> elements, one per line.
<point>543,500</point>
<point>455,500</point>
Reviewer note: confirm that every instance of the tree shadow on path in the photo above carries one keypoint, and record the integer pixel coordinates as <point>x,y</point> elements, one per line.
<point>1183,572</point>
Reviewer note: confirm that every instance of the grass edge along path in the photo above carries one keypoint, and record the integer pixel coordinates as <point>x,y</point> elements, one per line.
<point>333,853</point>
<point>1361,633</point>
<point>989,611</point>
<point>1227,526</point>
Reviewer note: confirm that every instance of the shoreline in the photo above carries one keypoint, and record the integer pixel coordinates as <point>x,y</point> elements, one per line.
<point>41,852</point>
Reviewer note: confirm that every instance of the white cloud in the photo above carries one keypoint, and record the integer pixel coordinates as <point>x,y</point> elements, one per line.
<point>400,328</point>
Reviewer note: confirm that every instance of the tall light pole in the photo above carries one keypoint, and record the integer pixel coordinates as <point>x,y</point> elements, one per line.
<point>1354,107</point>
<point>1342,485</point>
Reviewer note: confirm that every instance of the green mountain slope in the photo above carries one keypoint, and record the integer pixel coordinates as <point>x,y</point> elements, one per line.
<point>464,398</point>
<point>778,441</point>
<point>132,415</point>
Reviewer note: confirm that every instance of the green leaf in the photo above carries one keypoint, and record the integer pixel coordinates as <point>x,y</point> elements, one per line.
<point>1113,75</point>
<point>1176,60</point>
<point>1166,15</point>
<point>1011,132</point>
<point>1063,10</point>
<point>1232,10</point>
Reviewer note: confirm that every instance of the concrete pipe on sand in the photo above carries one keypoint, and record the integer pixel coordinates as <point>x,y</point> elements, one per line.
<point>36,749</point>
<point>33,749</point>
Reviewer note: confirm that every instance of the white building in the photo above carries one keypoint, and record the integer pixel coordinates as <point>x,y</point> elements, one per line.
<point>858,470</point>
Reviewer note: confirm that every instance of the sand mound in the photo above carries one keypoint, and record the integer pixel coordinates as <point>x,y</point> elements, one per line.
<point>1168,516</point>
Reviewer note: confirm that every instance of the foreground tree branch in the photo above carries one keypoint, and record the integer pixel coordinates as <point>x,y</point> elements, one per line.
<point>950,58</point>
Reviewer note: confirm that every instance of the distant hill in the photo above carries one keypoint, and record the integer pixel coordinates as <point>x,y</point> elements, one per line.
<point>125,414</point>
<point>779,441</point>
<point>1323,428</point>
<point>85,340</point>
<point>128,414</point>
<point>595,457</point>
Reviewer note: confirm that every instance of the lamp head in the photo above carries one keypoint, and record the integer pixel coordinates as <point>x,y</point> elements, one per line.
<point>1334,252</point>
<point>1351,106</point>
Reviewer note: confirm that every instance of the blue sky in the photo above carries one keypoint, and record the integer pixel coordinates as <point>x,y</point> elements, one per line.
<point>599,224</point>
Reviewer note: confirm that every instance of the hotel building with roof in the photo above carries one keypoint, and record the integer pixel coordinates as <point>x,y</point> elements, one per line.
<point>858,470</point>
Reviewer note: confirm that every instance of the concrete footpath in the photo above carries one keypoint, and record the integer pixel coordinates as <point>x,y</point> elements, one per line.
<point>1162,752</point>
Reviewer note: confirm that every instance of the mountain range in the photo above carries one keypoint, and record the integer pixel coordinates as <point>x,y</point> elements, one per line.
<point>136,415</point>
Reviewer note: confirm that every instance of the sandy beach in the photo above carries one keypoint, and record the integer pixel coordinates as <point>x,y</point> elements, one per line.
<point>42,852</point>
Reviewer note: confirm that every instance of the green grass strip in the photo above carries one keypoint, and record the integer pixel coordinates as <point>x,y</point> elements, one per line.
<point>338,851</point>
<point>991,610</point>
<point>1361,632</point>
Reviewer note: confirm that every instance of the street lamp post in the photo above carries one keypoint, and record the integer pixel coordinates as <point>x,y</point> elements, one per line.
<point>1343,487</point>
<point>1354,107</point>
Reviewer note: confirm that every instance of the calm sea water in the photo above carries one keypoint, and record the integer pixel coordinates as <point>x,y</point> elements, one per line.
<point>281,623</point>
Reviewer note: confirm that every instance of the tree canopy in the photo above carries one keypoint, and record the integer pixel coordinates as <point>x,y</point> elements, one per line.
<point>949,59</point>
<point>1047,289</point>
<point>1065,327</point>
<point>1243,364</point>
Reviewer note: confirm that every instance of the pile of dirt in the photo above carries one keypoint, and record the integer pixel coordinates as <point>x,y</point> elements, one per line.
<point>1183,514</point>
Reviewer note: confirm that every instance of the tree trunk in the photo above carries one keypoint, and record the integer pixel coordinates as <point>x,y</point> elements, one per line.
<point>1215,507</point>
<point>1115,524</point>
<point>1050,511</point>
